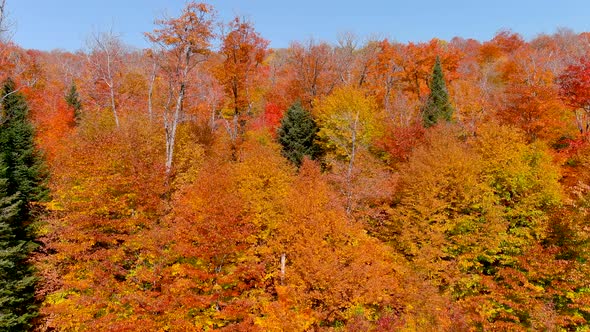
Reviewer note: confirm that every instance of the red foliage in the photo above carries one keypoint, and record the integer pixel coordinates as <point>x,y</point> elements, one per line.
<point>398,142</point>
<point>574,84</point>
<point>270,119</point>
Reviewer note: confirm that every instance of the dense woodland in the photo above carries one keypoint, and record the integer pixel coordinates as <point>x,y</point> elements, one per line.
<point>211,182</point>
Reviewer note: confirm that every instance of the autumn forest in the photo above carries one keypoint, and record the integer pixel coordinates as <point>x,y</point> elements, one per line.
<point>212,182</point>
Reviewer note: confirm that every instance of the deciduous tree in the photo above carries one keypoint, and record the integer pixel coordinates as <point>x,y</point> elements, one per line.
<point>105,60</point>
<point>314,72</point>
<point>348,120</point>
<point>244,52</point>
<point>574,85</point>
<point>182,43</point>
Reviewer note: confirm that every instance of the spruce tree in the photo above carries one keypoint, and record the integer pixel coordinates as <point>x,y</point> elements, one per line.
<point>26,173</point>
<point>22,183</point>
<point>297,135</point>
<point>438,106</point>
<point>17,280</point>
<point>73,99</point>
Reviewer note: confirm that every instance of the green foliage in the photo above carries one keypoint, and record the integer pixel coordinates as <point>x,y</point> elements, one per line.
<point>16,276</point>
<point>297,135</point>
<point>25,172</point>
<point>438,106</point>
<point>73,100</point>
<point>22,183</point>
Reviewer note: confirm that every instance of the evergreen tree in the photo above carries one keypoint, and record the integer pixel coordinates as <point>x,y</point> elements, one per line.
<point>26,174</point>
<point>437,106</point>
<point>297,135</point>
<point>22,182</point>
<point>73,99</point>
<point>17,281</point>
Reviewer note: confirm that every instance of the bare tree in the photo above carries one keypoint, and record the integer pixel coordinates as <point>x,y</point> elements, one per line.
<point>314,70</point>
<point>105,58</point>
<point>6,24</point>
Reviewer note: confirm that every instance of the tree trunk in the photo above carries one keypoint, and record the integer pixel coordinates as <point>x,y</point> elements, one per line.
<point>283,264</point>
<point>349,171</point>
<point>172,124</point>
<point>151,91</point>
<point>113,106</point>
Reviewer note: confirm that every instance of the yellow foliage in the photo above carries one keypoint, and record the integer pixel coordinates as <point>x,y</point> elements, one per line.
<point>468,204</point>
<point>189,157</point>
<point>347,117</point>
<point>263,178</point>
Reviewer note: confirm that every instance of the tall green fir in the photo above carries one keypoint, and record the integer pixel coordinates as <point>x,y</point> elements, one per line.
<point>23,178</point>
<point>73,100</point>
<point>26,171</point>
<point>17,279</point>
<point>438,106</point>
<point>297,134</point>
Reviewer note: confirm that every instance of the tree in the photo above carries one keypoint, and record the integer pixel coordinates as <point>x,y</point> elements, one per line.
<point>107,190</point>
<point>26,172</point>
<point>106,61</point>
<point>349,121</point>
<point>73,100</point>
<point>316,239</point>
<point>297,135</point>
<point>3,28</point>
<point>386,71</point>
<point>574,84</point>
<point>16,279</point>
<point>182,44</point>
<point>531,97</point>
<point>244,51</point>
<point>21,185</point>
<point>437,106</point>
<point>314,73</point>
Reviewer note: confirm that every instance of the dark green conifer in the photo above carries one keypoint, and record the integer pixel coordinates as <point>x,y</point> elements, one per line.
<point>73,99</point>
<point>17,280</point>
<point>297,135</point>
<point>438,106</point>
<point>26,174</point>
<point>22,183</point>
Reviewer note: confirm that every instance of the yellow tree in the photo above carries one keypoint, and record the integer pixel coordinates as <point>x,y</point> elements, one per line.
<point>348,121</point>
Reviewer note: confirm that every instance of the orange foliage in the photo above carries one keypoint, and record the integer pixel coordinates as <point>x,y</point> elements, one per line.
<point>458,227</point>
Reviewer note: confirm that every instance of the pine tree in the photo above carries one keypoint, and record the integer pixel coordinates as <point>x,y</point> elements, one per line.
<point>26,173</point>
<point>73,99</point>
<point>297,135</point>
<point>22,183</point>
<point>17,281</point>
<point>437,106</point>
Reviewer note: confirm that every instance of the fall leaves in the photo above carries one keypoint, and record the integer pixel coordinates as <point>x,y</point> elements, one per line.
<point>184,197</point>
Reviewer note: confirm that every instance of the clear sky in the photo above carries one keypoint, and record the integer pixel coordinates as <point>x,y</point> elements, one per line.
<point>65,24</point>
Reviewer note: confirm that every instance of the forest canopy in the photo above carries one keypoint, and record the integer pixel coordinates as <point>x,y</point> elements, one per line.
<point>212,182</point>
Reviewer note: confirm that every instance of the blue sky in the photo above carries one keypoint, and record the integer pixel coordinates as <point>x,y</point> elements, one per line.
<point>65,24</point>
